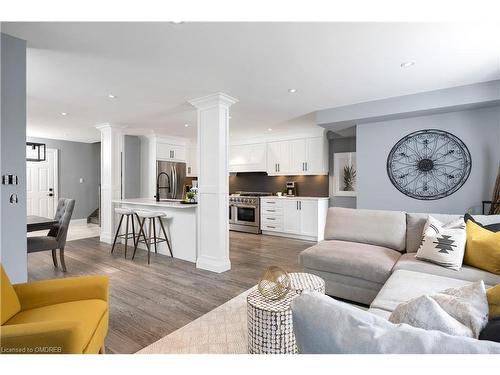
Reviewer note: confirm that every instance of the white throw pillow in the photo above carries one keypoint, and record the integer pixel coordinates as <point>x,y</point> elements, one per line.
<point>443,244</point>
<point>461,311</point>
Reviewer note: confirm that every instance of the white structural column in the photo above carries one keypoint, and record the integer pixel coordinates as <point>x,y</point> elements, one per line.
<point>213,182</point>
<point>111,148</point>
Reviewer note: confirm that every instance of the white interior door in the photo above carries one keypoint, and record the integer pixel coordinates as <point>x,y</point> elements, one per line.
<point>41,185</point>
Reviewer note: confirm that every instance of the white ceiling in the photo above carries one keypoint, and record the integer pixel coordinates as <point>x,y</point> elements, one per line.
<point>154,68</point>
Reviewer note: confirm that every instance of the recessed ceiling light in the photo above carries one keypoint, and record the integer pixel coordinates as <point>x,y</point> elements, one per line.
<point>64,113</point>
<point>186,125</point>
<point>292,91</point>
<point>269,129</point>
<point>111,96</point>
<point>407,64</point>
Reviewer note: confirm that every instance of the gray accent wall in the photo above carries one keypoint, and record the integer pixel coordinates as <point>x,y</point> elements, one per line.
<point>131,166</point>
<point>479,129</point>
<point>340,145</point>
<point>78,160</point>
<point>13,253</point>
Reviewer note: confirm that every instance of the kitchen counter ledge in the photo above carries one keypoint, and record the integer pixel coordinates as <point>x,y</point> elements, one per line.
<point>154,203</point>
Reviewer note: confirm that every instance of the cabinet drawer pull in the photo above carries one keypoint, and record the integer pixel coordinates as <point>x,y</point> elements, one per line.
<point>270,218</point>
<point>270,226</point>
<point>271,210</point>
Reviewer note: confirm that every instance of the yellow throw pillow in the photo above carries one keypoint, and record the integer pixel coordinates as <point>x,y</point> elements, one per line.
<point>493,295</point>
<point>483,248</point>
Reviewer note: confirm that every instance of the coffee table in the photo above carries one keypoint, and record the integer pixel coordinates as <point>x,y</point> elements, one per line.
<point>270,325</point>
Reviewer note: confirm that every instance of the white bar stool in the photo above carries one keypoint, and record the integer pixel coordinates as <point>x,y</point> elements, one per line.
<point>152,238</point>
<point>129,214</point>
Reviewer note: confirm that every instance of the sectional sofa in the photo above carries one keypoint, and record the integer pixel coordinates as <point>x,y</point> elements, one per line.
<point>368,256</point>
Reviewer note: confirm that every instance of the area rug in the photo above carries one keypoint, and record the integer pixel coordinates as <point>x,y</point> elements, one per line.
<point>220,331</point>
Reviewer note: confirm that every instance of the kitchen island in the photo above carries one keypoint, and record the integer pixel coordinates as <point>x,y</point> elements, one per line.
<point>180,223</point>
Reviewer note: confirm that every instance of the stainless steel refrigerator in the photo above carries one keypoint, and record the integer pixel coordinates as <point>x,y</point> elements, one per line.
<point>171,182</point>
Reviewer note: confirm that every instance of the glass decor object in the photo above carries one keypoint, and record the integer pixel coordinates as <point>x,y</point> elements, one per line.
<point>274,283</point>
<point>429,164</point>
<point>35,151</point>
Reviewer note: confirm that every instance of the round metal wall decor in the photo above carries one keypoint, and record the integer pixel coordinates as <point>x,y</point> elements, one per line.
<point>429,164</point>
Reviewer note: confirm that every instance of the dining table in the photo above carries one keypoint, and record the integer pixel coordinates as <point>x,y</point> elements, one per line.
<point>35,223</point>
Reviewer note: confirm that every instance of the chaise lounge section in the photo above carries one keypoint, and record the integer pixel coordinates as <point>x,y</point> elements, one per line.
<point>368,256</point>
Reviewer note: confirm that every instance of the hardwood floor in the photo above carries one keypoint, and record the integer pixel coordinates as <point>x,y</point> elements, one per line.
<point>149,302</point>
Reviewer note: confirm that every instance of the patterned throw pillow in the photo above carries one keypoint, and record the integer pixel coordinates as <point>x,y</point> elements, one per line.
<point>443,244</point>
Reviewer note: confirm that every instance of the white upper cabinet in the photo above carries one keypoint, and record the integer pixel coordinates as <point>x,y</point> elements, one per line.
<point>297,156</point>
<point>170,152</point>
<point>305,156</point>
<point>278,158</point>
<point>192,161</point>
<point>316,161</point>
<point>248,158</point>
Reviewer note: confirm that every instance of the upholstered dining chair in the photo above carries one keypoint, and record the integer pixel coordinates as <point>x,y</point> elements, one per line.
<point>56,238</point>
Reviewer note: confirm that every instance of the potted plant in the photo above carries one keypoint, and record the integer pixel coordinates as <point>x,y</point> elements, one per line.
<point>349,174</point>
<point>190,197</point>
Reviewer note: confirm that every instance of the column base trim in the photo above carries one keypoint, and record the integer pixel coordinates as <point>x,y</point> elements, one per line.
<point>214,265</point>
<point>106,238</point>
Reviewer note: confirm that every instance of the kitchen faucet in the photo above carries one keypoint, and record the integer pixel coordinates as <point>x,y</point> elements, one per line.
<point>158,187</point>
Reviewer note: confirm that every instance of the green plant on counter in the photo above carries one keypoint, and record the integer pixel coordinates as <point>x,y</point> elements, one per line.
<point>189,196</point>
<point>349,178</point>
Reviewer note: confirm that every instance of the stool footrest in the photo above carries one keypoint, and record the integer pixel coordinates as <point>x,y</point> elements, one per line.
<point>151,241</point>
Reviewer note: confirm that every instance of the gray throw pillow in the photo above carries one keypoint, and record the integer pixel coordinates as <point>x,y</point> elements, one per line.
<point>461,311</point>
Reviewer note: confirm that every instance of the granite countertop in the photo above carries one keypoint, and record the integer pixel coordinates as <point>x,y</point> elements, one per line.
<point>153,202</point>
<point>296,197</point>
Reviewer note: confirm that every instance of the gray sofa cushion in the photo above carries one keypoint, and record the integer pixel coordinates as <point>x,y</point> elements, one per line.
<point>347,287</point>
<point>360,260</point>
<point>381,228</point>
<point>415,226</point>
<point>404,285</point>
<point>323,325</point>
<point>410,263</point>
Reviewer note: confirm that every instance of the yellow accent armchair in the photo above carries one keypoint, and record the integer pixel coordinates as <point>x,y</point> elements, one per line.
<point>67,315</point>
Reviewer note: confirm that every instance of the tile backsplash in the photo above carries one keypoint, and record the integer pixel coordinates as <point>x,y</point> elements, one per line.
<point>311,186</point>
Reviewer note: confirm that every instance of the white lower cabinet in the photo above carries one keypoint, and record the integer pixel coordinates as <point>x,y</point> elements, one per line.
<point>294,217</point>
<point>291,217</point>
<point>308,218</point>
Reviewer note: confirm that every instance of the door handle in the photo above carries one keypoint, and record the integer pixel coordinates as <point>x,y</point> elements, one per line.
<point>50,194</point>
<point>306,166</point>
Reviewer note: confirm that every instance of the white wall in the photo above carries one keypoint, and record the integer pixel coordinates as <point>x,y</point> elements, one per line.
<point>479,129</point>
<point>13,253</point>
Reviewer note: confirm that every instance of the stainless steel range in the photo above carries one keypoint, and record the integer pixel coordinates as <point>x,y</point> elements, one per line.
<point>244,211</point>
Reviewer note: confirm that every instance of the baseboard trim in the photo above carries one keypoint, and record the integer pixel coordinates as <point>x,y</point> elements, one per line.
<point>106,238</point>
<point>213,265</point>
<point>294,236</point>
